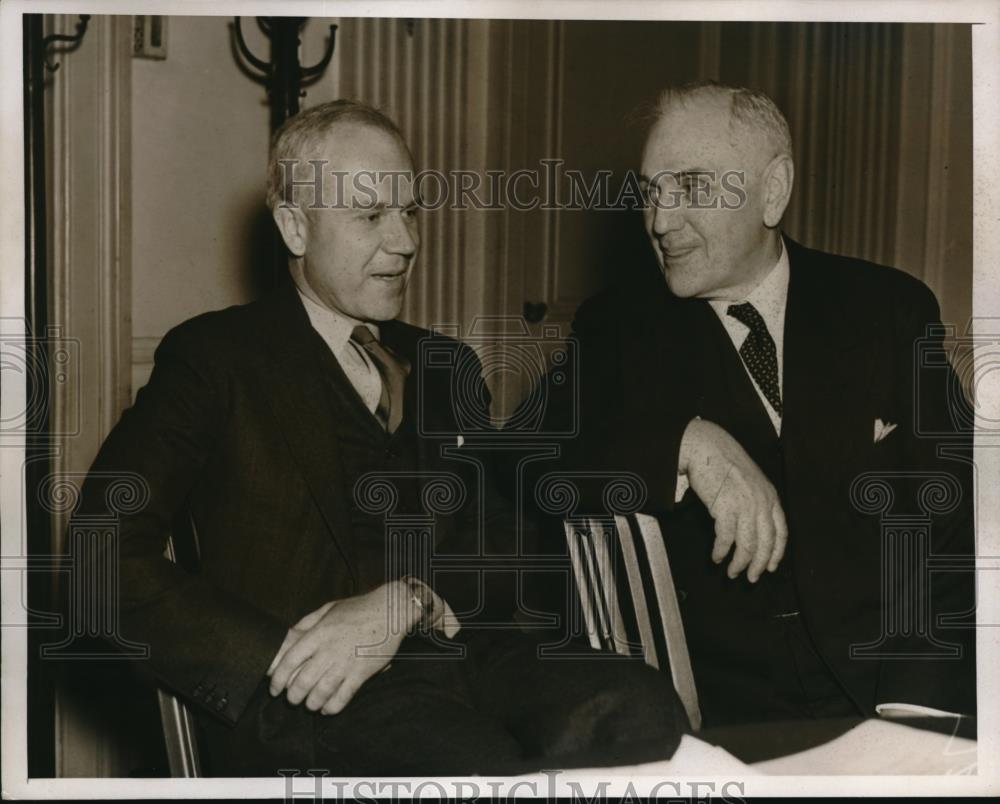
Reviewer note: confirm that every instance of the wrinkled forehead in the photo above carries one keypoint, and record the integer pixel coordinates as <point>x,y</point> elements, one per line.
<point>352,145</point>
<point>361,165</point>
<point>698,134</point>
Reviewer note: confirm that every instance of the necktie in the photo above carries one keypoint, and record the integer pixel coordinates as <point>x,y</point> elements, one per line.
<point>758,352</point>
<point>393,370</point>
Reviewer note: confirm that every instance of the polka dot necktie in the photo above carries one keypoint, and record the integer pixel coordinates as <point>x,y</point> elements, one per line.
<point>758,352</point>
<point>393,370</point>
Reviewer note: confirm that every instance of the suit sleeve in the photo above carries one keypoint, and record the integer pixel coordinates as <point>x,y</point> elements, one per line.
<point>939,442</point>
<point>206,645</point>
<point>630,416</point>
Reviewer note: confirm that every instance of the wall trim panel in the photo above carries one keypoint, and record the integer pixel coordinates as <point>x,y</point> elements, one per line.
<point>89,186</point>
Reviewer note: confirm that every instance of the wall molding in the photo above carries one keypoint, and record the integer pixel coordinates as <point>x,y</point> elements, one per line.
<point>88,184</point>
<point>417,71</point>
<point>143,348</point>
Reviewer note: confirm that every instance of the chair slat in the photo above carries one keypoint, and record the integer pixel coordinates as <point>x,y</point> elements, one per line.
<point>591,552</point>
<point>635,588</point>
<point>574,541</point>
<point>600,538</point>
<point>178,736</point>
<point>178,722</point>
<point>670,615</point>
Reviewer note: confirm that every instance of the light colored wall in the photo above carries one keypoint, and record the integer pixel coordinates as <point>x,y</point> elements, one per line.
<point>88,262</point>
<point>199,148</point>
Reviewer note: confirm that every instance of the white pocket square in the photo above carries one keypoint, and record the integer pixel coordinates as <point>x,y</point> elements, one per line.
<point>459,440</point>
<point>882,429</point>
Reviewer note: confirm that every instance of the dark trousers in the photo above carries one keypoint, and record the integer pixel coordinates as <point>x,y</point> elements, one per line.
<point>498,709</point>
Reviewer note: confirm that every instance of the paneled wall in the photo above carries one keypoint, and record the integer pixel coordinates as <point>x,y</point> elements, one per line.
<point>99,730</point>
<point>881,121</point>
<point>430,76</point>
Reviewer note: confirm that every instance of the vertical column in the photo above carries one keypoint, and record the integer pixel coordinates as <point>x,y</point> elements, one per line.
<point>88,111</point>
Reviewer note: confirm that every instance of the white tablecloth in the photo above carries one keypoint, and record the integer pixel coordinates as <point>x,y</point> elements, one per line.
<point>877,747</point>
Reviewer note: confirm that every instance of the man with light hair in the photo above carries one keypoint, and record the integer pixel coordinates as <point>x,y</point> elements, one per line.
<point>768,394</point>
<point>311,635</point>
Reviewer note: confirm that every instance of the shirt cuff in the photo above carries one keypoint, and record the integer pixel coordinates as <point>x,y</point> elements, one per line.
<point>449,622</point>
<point>682,487</point>
<point>910,710</point>
<point>443,618</point>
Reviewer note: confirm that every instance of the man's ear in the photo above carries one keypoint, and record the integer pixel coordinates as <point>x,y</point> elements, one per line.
<point>294,228</point>
<point>778,178</point>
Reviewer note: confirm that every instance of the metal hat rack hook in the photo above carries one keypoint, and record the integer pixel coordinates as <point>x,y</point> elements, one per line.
<point>283,76</point>
<point>72,40</point>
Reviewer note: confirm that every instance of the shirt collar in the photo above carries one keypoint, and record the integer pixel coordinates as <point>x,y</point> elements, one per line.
<point>334,327</point>
<point>770,297</point>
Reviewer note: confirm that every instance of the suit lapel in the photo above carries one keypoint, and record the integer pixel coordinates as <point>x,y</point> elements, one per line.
<point>314,406</point>
<point>653,353</point>
<point>690,338</point>
<point>827,373</point>
<point>422,386</point>
<point>732,400</point>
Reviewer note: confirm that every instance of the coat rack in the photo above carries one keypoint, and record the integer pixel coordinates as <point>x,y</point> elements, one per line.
<point>283,76</point>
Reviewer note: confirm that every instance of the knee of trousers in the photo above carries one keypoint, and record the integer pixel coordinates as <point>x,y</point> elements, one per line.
<point>641,700</point>
<point>625,702</point>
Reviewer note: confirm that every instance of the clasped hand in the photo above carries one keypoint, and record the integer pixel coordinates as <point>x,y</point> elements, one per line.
<point>741,500</point>
<point>328,654</point>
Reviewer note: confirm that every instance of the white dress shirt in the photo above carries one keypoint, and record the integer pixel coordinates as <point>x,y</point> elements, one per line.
<point>770,298</point>
<point>336,328</point>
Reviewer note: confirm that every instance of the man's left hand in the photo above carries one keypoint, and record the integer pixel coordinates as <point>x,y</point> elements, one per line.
<point>331,652</point>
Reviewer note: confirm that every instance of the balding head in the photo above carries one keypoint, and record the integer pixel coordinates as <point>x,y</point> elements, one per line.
<point>755,124</point>
<point>303,136</point>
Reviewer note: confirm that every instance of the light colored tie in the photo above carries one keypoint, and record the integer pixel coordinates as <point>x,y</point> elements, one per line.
<point>393,369</point>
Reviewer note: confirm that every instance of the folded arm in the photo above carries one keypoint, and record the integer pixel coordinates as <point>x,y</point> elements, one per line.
<point>332,651</point>
<point>204,643</point>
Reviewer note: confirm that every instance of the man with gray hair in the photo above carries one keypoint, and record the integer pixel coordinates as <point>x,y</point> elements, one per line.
<point>286,432</point>
<point>770,395</point>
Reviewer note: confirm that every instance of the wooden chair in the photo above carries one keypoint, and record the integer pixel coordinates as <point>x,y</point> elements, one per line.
<point>179,737</point>
<point>179,724</point>
<point>650,606</point>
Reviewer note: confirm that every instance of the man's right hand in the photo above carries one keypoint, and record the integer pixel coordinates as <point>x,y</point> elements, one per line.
<point>741,500</point>
<point>331,652</point>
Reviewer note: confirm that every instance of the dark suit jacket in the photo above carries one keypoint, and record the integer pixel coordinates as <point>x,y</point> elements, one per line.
<point>246,421</point>
<point>650,362</point>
